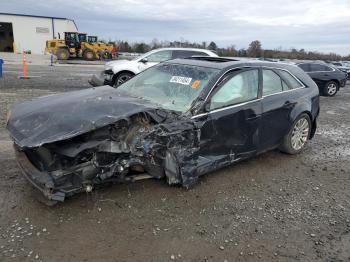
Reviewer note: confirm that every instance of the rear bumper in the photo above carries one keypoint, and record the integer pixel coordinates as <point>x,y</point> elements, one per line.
<point>43,181</point>
<point>343,82</point>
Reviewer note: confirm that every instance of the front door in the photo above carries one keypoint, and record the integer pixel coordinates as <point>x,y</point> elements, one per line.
<point>232,128</point>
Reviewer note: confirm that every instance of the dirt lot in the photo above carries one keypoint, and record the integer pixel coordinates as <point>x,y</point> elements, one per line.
<point>275,207</point>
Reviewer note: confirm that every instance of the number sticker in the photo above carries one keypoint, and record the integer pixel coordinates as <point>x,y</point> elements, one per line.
<point>181,80</point>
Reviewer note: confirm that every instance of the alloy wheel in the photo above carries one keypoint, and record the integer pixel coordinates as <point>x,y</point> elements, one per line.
<point>332,89</point>
<point>300,134</point>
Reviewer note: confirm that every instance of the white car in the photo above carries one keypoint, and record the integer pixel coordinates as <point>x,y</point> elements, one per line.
<point>117,72</point>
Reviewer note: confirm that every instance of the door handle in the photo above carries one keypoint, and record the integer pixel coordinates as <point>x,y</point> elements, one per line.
<point>252,117</point>
<point>288,104</point>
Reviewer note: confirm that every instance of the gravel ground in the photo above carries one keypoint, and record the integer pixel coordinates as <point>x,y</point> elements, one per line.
<point>274,207</point>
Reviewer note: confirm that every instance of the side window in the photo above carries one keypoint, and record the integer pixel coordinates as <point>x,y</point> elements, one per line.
<point>160,56</point>
<point>195,53</point>
<point>185,54</point>
<point>320,68</point>
<point>290,81</point>
<point>328,69</point>
<point>241,87</point>
<point>305,67</point>
<point>272,83</point>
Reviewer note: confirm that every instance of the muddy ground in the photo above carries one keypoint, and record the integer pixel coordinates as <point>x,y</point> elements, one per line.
<point>274,207</point>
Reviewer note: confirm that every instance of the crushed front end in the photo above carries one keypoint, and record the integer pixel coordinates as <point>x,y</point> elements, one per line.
<point>133,148</point>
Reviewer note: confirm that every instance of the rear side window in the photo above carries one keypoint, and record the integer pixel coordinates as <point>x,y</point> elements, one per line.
<point>290,81</point>
<point>185,54</point>
<point>305,67</point>
<point>319,68</point>
<point>272,83</point>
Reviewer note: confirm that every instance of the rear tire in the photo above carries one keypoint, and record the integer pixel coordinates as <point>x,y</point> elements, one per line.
<point>122,78</point>
<point>296,139</point>
<point>62,54</point>
<point>89,55</point>
<point>330,88</point>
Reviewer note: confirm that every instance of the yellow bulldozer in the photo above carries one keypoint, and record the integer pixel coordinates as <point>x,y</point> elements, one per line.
<point>76,45</point>
<point>108,50</point>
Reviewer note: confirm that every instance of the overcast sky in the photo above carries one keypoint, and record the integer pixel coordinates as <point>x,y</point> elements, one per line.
<point>321,25</point>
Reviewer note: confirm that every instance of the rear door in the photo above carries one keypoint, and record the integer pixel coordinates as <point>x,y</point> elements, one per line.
<point>281,93</point>
<point>321,73</point>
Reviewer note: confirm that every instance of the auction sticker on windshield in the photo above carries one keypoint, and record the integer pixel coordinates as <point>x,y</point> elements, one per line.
<point>181,80</point>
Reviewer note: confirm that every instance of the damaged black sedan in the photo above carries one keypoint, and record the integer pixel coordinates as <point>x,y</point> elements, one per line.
<point>177,120</point>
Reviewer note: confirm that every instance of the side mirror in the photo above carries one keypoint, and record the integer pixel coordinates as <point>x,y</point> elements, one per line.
<point>207,107</point>
<point>144,60</point>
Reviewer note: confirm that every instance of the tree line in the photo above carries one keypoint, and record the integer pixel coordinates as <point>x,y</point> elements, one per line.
<point>253,50</point>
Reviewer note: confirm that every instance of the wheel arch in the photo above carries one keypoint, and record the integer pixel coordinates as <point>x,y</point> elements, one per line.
<point>312,119</point>
<point>337,81</point>
<point>304,108</point>
<point>121,72</point>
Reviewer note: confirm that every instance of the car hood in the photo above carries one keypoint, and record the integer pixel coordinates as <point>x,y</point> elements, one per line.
<point>58,117</point>
<point>343,68</point>
<point>111,64</point>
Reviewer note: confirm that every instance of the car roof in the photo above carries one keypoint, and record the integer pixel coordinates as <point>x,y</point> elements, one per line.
<point>209,52</point>
<point>222,63</point>
<point>225,64</point>
<point>309,62</point>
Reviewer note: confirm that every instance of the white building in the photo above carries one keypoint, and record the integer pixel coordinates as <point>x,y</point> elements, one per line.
<point>20,33</point>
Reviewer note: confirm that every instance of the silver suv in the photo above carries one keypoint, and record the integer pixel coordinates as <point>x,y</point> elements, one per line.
<point>117,72</point>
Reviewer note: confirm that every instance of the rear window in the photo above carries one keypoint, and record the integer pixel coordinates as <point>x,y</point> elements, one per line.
<point>305,67</point>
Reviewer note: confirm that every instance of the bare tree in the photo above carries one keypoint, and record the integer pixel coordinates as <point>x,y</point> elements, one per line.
<point>255,49</point>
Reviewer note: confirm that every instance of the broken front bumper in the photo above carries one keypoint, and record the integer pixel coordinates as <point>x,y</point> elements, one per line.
<point>43,181</point>
<point>101,79</point>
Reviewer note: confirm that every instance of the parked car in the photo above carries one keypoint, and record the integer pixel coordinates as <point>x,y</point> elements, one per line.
<point>328,78</point>
<point>117,72</point>
<point>344,67</point>
<point>177,120</point>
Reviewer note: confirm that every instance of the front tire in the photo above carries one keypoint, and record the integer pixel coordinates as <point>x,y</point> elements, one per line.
<point>296,139</point>
<point>122,78</point>
<point>330,88</point>
<point>62,54</point>
<point>89,55</point>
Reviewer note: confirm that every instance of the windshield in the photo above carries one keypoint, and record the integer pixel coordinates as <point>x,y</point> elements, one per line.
<point>82,37</point>
<point>92,39</point>
<point>171,86</point>
<point>144,55</point>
